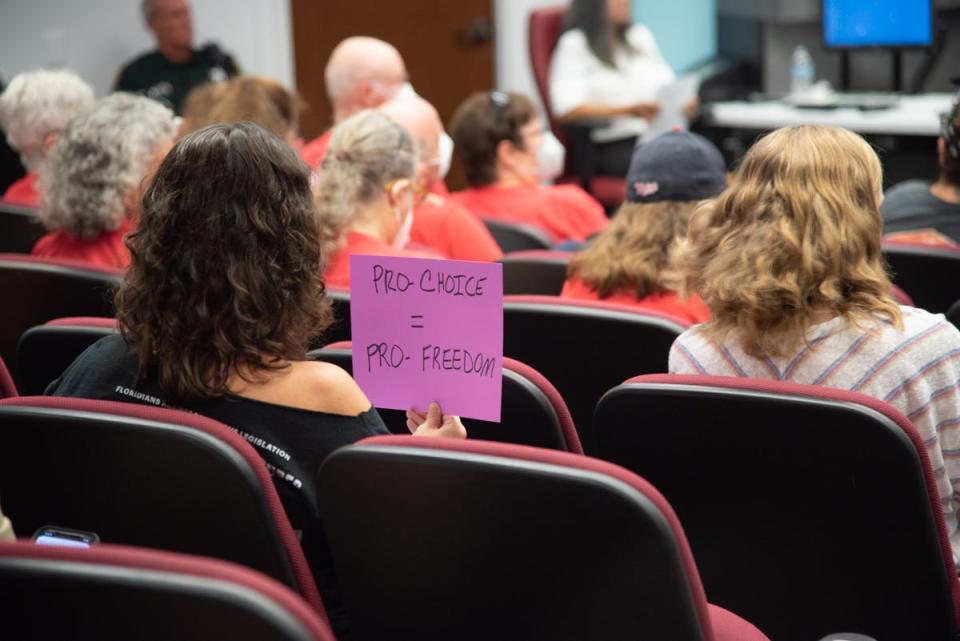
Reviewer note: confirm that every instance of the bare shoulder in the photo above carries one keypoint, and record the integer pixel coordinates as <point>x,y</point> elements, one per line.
<point>323,387</point>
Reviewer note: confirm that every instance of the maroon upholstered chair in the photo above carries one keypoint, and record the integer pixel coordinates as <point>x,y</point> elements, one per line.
<point>544,29</point>
<point>7,387</point>
<point>117,593</point>
<point>584,348</point>
<point>810,510</point>
<point>533,412</point>
<point>508,542</point>
<point>45,351</point>
<point>146,476</point>
<point>538,272</point>
<point>39,289</point>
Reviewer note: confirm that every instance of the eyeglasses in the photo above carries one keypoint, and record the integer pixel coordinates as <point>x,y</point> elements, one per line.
<point>500,101</point>
<point>420,192</point>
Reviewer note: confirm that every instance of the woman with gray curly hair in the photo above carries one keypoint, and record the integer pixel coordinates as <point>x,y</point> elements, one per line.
<point>90,190</point>
<point>34,109</point>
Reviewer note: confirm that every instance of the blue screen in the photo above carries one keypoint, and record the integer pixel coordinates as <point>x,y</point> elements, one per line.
<point>877,23</point>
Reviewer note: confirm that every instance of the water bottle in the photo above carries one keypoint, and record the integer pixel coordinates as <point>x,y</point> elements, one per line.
<point>801,71</point>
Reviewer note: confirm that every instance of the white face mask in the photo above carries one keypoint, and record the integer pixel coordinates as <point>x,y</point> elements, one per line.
<point>550,159</point>
<point>446,154</point>
<point>405,91</point>
<point>403,234</point>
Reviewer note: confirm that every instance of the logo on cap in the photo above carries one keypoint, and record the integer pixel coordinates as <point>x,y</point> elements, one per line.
<point>645,189</point>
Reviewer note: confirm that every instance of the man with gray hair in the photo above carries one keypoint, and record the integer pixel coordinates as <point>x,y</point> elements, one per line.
<point>361,73</point>
<point>169,73</point>
<point>34,109</point>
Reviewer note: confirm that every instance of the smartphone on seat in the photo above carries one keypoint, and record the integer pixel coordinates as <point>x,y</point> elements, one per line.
<point>52,535</point>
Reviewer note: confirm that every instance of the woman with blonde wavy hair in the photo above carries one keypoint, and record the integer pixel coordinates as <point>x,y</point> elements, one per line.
<point>788,259</point>
<point>627,263</point>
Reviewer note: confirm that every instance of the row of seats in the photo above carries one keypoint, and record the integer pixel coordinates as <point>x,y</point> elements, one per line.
<point>805,510</point>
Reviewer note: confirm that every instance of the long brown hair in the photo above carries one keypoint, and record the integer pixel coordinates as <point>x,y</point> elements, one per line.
<point>223,279</point>
<point>796,234</point>
<point>633,252</point>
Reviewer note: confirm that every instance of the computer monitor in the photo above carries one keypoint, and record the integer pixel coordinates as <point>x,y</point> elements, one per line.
<point>851,24</point>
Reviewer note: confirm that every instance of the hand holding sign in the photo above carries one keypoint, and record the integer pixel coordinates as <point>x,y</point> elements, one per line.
<point>428,331</point>
<point>435,423</point>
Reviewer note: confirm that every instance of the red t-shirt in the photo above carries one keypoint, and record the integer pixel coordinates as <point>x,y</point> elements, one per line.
<point>565,212</point>
<point>338,269</point>
<point>692,309</point>
<point>453,231</point>
<point>23,191</point>
<point>314,152</point>
<point>106,249</point>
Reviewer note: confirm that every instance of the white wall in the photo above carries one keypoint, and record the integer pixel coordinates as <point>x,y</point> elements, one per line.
<point>95,37</point>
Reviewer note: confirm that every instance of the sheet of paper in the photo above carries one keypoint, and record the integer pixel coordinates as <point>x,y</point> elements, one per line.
<point>428,330</point>
<point>672,99</point>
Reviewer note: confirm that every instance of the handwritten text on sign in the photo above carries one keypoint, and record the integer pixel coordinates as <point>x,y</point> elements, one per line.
<point>428,330</point>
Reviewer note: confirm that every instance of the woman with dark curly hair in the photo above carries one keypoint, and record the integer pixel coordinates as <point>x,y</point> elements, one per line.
<point>219,305</point>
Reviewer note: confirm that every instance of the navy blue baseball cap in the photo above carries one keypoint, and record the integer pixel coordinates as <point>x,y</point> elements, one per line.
<point>679,166</point>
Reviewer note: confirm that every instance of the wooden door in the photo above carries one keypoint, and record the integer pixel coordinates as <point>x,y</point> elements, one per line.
<point>446,44</point>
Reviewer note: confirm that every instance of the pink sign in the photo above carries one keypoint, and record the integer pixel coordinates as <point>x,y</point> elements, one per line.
<point>428,330</point>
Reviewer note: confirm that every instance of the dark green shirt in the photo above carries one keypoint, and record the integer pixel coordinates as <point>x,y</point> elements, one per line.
<point>168,82</point>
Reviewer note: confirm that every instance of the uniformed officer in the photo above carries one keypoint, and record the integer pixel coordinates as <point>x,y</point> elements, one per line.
<point>169,73</point>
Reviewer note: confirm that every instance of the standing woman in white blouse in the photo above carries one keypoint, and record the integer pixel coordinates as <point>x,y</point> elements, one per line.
<point>605,68</point>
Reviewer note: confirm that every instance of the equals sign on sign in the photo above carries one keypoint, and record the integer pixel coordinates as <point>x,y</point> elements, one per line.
<point>416,321</point>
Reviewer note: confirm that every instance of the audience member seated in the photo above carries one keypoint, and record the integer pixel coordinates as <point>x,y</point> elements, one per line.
<point>91,186</point>
<point>503,145</point>
<point>361,73</point>
<point>789,262</point>
<point>34,109</point>
<point>219,305</point>
<point>256,99</point>
<point>367,192</point>
<point>627,262</point>
<point>195,113</point>
<point>606,69</point>
<point>916,204</point>
<point>438,222</point>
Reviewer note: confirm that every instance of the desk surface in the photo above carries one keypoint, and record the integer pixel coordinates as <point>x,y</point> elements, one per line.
<point>913,116</point>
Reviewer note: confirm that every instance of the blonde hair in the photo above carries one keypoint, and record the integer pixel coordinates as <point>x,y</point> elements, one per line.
<point>796,234</point>
<point>633,252</point>
<point>256,99</point>
<point>367,151</point>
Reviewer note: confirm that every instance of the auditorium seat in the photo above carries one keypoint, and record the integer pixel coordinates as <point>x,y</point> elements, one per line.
<point>436,539</point>
<point>146,476</point>
<point>535,272</point>
<point>7,387</point>
<point>930,275</point>
<point>45,351</point>
<point>953,314</point>
<point>584,348</point>
<point>533,412</point>
<point>118,593</point>
<point>544,29</point>
<point>513,237</point>
<point>41,289</point>
<point>19,228</point>
<point>339,329</point>
<point>810,510</point>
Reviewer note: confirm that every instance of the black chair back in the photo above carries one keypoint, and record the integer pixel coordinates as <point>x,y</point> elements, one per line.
<point>20,229</point>
<point>45,351</point>
<point>809,510</point>
<point>516,236</point>
<point>534,272</point>
<point>929,275</point>
<point>584,349</point>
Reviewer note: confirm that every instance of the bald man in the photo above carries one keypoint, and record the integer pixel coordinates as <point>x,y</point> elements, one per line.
<point>438,222</point>
<point>362,73</point>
